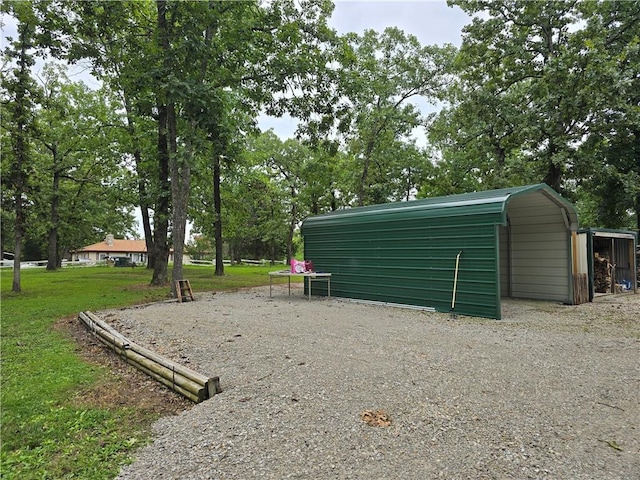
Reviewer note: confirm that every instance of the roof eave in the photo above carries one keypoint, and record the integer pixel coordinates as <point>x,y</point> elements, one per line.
<point>551,194</point>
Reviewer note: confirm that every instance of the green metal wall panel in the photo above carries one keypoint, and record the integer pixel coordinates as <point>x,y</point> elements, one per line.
<point>409,261</point>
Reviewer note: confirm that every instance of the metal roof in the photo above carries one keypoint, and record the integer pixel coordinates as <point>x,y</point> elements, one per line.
<point>610,232</point>
<point>483,202</point>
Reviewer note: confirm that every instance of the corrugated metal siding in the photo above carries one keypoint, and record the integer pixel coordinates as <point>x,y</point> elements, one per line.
<point>540,255</point>
<point>581,254</point>
<point>410,259</point>
<point>505,262</point>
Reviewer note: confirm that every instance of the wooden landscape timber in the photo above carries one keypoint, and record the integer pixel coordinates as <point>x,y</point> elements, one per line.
<point>181,379</point>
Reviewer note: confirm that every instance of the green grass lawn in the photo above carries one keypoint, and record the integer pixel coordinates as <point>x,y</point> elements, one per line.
<point>45,435</point>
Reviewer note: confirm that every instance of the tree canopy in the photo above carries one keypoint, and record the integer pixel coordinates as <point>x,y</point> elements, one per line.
<point>546,91</point>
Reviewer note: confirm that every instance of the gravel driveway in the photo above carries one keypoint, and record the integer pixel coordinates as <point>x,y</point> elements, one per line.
<point>550,391</point>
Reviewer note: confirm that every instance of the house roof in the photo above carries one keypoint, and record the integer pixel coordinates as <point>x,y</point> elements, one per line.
<point>118,246</point>
<point>484,202</point>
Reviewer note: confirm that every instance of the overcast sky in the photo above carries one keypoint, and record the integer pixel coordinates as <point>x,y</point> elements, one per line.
<point>432,21</point>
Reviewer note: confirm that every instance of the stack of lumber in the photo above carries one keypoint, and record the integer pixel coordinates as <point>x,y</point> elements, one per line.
<point>181,379</point>
<point>602,269</point>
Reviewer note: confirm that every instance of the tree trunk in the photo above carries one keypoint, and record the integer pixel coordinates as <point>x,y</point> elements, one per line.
<point>142,190</point>
<point>52,256</point>
<point>17,252</point>
<point>181,180</point>
<point>180,188</point>
<point>365,167</point>
<point>19,144</point>
<point>553,178</point>
<point>638,212</point>
<point>363,179</point>
<point>146,223</point>
<point>292,227</point>
<point>20,151</point>
<point>217,207</point>
<point>160,250</point>
<point>371,143</point>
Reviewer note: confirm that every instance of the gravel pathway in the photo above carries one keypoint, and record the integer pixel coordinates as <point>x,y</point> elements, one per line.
<point>549,392</point>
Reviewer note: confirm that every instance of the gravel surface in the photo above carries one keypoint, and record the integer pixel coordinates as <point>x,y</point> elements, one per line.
<point>550,391</point>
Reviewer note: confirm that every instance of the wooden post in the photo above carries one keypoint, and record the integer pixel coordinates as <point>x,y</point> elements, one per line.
<point>580,288</point>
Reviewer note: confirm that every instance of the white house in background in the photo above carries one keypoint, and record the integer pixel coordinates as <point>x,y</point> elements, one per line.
<point>135,250</point>
<point>110,247</point>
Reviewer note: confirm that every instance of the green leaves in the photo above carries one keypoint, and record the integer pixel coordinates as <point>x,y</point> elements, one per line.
<point>381,76</point>
<point>540,85</point>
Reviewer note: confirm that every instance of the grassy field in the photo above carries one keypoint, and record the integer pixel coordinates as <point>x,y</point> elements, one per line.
<point>46,434</point>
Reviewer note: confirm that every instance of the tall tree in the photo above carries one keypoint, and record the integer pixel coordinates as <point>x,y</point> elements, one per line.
<point>19,102</point>
<point>118,41</point>
<point>259,49</point>
<point>78,144</point>
<point>608,174</point>
<point>546,91</point>
<point>268,56</point>
<point>286,164</point>
<point>480,140</point>
<point>125,42</point>
<point>167,147</point>
<point>382,76</point>
<point>519,73</point>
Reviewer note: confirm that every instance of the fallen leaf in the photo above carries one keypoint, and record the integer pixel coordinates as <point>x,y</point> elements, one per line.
<point>379,418</point>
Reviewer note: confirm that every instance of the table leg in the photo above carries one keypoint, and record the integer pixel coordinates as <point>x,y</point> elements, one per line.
<point>328,287</point>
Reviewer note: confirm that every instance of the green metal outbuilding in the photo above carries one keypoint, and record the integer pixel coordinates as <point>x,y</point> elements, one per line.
<point>458,252</point>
